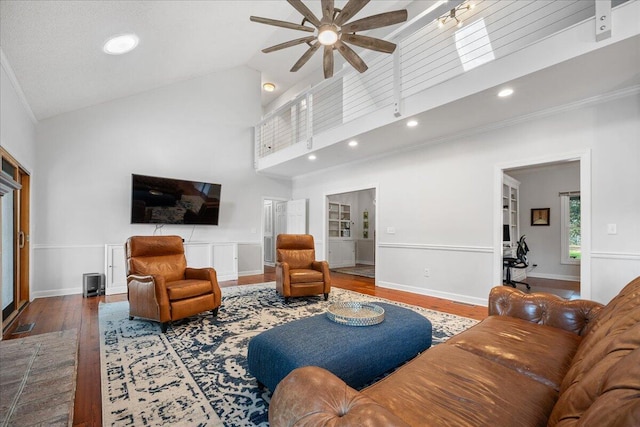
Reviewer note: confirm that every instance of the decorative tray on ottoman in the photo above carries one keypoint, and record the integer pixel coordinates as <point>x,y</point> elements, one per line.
<point>355,313</point>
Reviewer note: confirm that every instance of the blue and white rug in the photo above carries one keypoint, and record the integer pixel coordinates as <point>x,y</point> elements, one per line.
<point>195,374</point>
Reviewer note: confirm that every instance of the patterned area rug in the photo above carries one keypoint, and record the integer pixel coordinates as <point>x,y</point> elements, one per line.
<point>195,374</point>
<point>365,271</point>
<point>38,379</point>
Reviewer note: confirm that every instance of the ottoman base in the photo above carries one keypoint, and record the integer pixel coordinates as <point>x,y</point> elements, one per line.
<point>356,354</point>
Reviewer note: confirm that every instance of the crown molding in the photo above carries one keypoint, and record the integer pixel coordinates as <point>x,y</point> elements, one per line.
<point>4,62</point>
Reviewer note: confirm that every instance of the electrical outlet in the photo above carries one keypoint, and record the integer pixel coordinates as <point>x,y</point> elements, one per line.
<point>427,273</point>
<point>391,230</point>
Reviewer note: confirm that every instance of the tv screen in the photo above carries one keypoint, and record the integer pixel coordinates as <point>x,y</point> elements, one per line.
<point>156,200</point>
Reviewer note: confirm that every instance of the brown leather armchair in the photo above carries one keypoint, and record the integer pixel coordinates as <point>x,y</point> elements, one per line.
<point>297,271</point>
<point>161,287</point>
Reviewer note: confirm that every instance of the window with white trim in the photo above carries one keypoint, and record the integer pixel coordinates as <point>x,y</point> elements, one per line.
<point>571,251</point>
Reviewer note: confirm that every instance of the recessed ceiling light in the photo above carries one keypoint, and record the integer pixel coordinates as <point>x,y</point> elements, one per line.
<point>412,123</point>
<point>269,87</point>
<point>505,92</point>
<point>353,143</point>
<point>117,45</point>
<point>312,157</point>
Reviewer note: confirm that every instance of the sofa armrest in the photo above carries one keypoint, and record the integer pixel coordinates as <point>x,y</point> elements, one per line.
<point>312,396</point>
<point>546,309</point>
<point>207,273</point>
<point>147,296</point>
<point>283,280</point>
<point>323,266</point>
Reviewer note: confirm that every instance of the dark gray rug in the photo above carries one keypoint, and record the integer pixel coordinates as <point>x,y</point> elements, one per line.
<point>38,379</point>
<point>195,374</point>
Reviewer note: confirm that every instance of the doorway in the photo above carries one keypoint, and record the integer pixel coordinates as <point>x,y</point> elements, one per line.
<point>15,240</point>
<point>542,187</point>
<point>350,224</point>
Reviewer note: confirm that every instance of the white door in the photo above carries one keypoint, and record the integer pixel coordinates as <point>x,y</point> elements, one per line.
<point>281,218</point>
<point>297,216</point>
<point>268,240</point>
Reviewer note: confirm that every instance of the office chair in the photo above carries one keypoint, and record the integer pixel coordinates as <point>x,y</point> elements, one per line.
<point>520,261</point>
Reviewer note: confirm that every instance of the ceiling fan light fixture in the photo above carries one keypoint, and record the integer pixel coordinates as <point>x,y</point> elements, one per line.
<point>120,44</point>
<point>268,87</point>
<point>327,35</point>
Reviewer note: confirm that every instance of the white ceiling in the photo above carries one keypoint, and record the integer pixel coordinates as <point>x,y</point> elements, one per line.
<point>55,47</point>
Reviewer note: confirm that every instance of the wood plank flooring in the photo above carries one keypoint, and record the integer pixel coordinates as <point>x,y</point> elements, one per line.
<point>74,311</point>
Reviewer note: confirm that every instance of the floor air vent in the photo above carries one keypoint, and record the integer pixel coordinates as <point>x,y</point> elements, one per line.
<point>22,329</point>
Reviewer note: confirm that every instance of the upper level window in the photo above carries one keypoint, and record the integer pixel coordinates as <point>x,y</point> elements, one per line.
<point>570,228</point>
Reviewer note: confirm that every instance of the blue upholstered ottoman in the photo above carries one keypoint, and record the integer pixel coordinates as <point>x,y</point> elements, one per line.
<point>356,354</point>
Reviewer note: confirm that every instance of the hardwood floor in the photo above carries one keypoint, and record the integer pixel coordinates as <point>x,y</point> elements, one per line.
<point>73,311</point>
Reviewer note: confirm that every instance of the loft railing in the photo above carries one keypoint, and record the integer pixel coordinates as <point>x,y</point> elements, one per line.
<point>427,55</point>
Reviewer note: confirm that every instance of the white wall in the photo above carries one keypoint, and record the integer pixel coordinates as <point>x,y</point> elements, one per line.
<point>540,188</point>
<point>440,199</point>
<point>200,130</point>
<point>17,130</point>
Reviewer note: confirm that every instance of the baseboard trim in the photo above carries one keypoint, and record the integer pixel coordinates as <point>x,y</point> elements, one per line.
<point>484,302</point>
<point>358,261</point>
<point>554,276</point>
<point>250,272</point>
<point>56,293</point>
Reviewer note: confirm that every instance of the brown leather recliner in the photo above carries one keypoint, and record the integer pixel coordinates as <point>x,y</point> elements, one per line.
<point>161,287</point>
<point>297,271</point>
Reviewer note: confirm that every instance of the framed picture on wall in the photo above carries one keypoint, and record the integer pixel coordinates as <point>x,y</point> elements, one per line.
<point>540,216</point>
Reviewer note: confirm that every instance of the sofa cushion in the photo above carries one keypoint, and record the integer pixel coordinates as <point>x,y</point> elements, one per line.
<point>305,276</point>
<point>543,353</point>
<point>447,385</point>
<point>182,289</point>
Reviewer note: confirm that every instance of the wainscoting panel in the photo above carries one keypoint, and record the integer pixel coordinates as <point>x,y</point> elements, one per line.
<point>250,258</point>
<point>610,272</point>
<point>459,273</point>
<point>57,269</point>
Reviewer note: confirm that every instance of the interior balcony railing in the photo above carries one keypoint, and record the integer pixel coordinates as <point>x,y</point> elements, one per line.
<point>431,50</point>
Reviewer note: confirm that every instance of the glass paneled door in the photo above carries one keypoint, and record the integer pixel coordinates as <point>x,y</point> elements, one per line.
<point>15,241</point>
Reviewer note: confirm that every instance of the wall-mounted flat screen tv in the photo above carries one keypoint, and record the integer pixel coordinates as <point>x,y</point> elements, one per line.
<point>156,200</point>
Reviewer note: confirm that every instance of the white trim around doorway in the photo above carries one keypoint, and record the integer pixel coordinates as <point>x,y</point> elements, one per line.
<point>325,219</point>
<point>584,157</point>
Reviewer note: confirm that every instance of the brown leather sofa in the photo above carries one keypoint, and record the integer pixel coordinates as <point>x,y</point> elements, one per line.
<point>536,360</point>
<point>161,287</point>
<point>297,271</point>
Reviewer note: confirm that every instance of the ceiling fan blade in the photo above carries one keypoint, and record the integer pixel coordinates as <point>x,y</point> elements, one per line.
<point>304,58</point>
<point>349,11</point>
<point>327,62</point>
<point>283,24</point>
<point>376,21</point>
<point>289,44</point>
<point>304,11</point>
<point>351,57</point>
<point>327,11</point>
<point>369,43</point>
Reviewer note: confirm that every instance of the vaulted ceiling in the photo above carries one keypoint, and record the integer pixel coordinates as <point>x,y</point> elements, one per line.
<point>55,47</point>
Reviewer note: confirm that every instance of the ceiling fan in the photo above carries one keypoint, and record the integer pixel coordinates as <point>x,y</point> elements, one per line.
<point>333,31</point>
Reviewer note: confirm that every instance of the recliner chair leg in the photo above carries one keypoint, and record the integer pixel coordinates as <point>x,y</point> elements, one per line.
<point>286,300</point>
<point>215,311</point>
<point>326,296</point>
<point>163,326</point>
